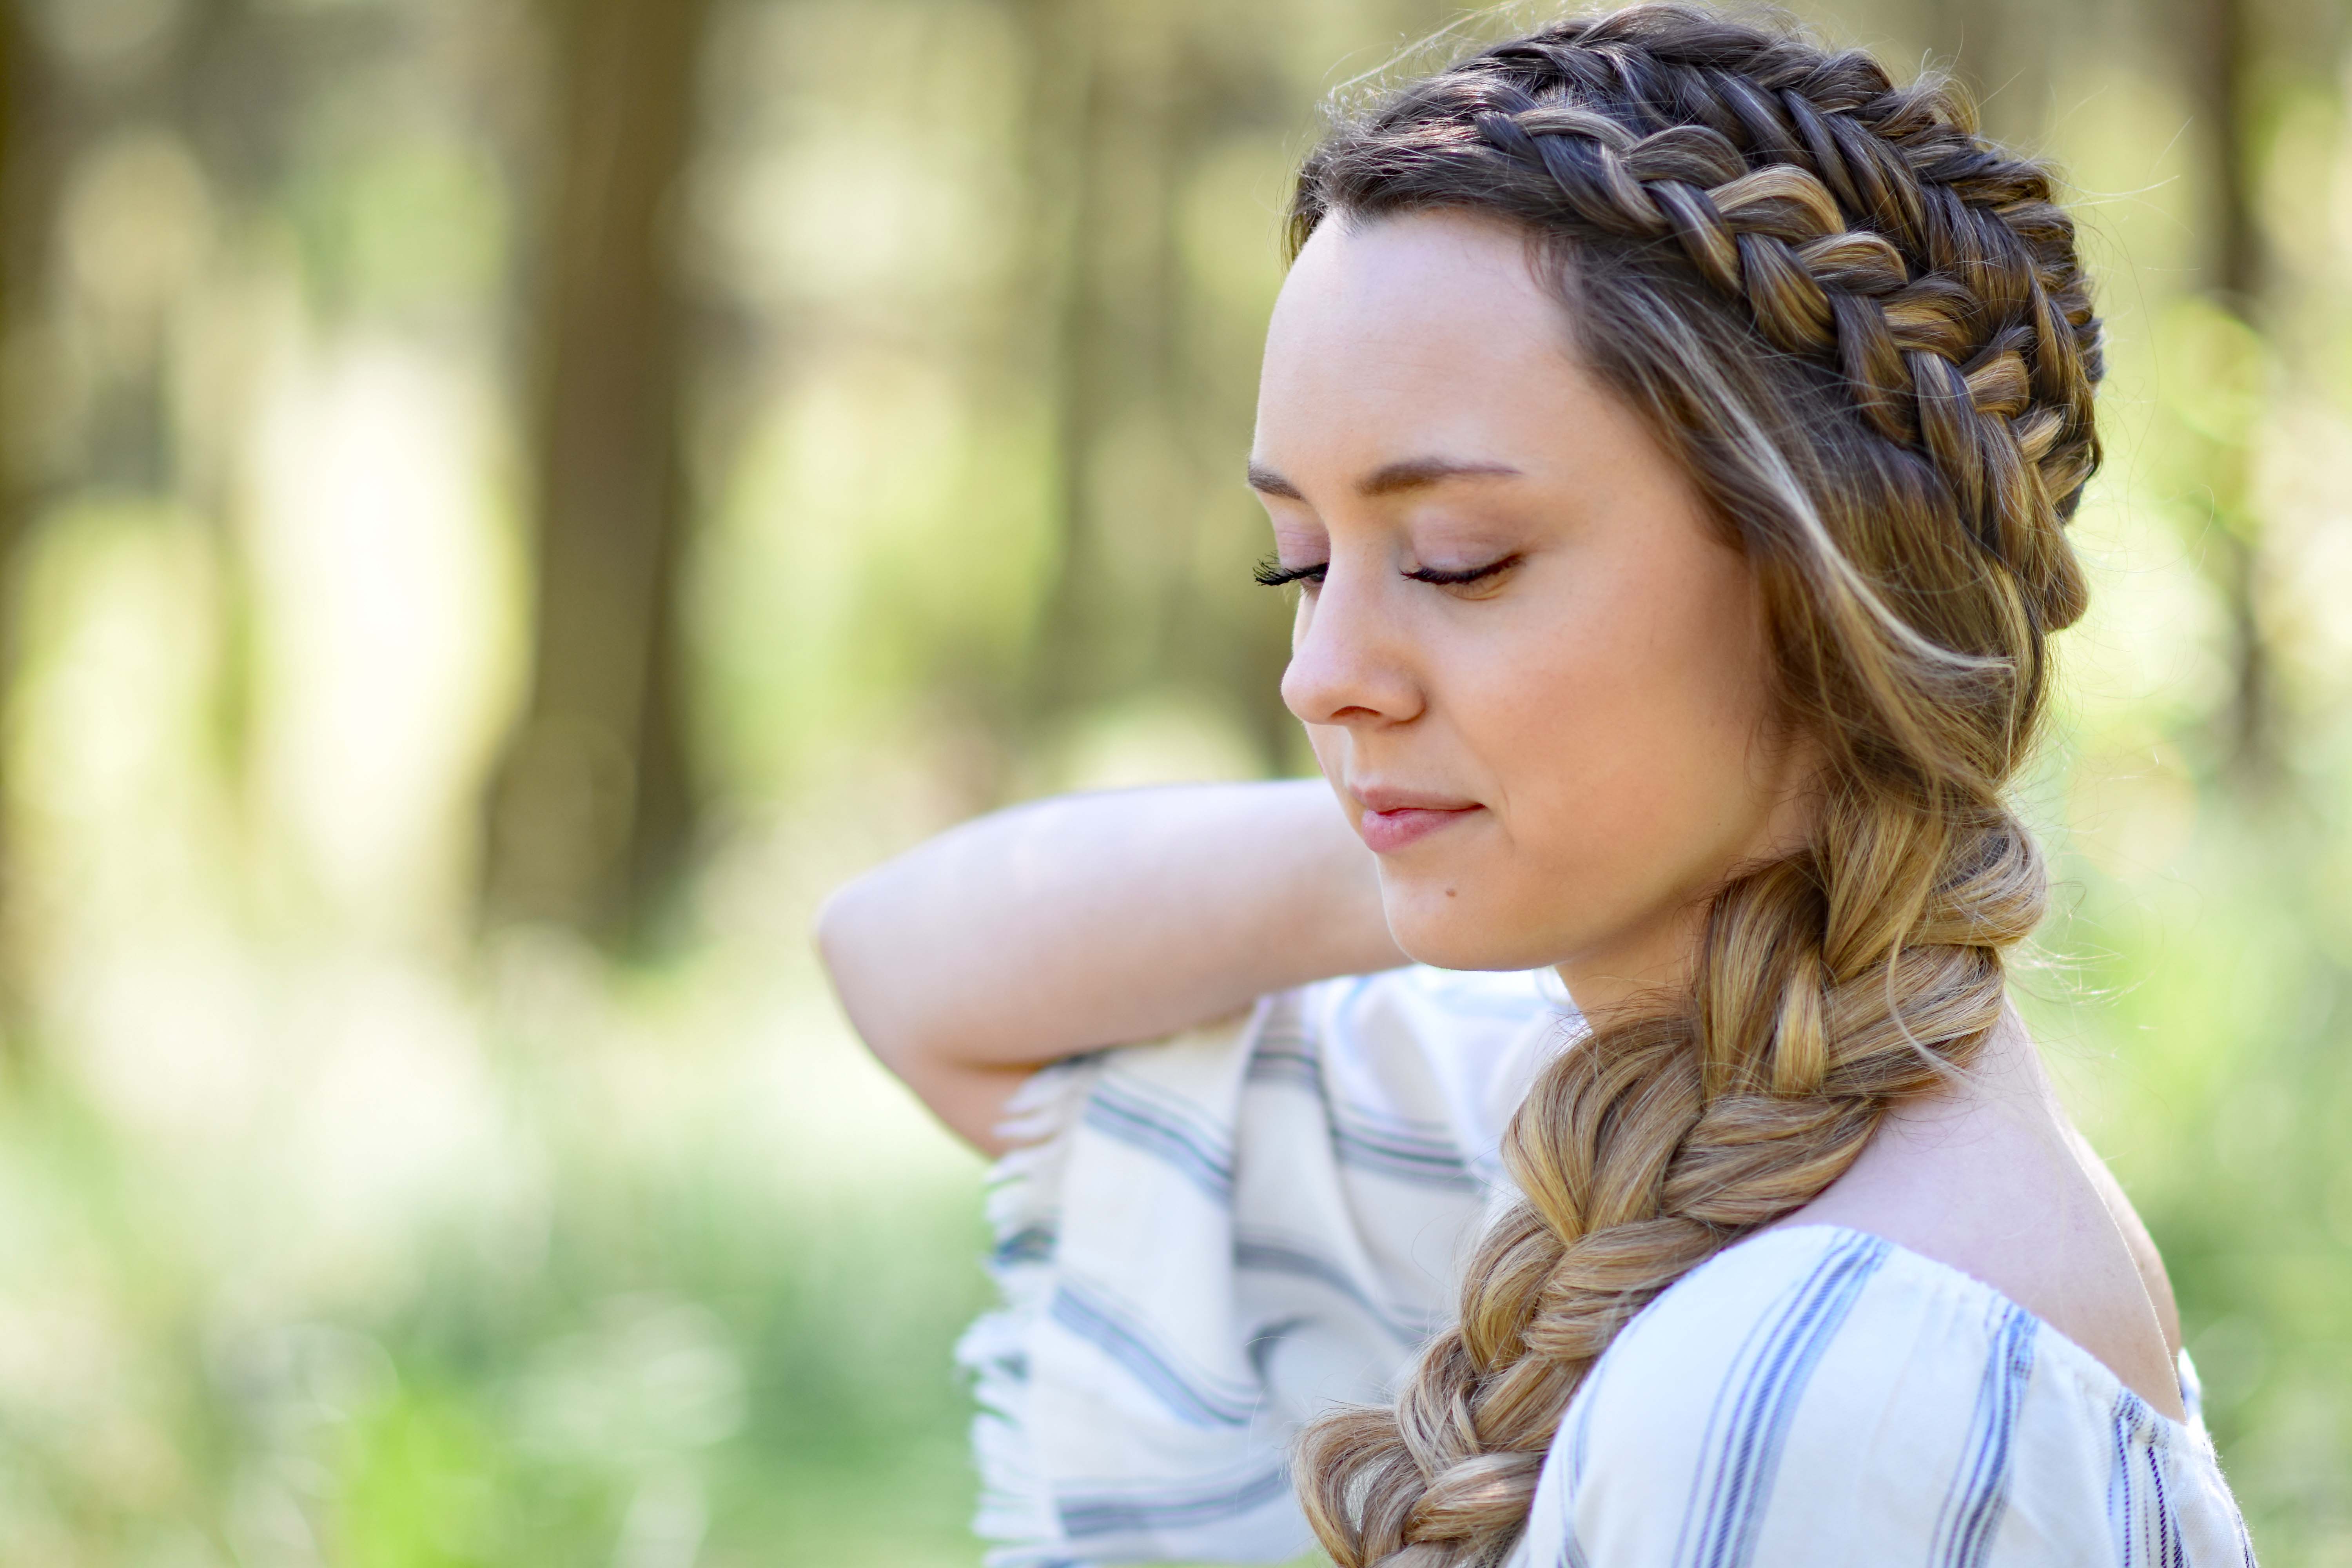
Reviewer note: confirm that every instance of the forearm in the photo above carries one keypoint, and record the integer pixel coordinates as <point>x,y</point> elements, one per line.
<point>1100,920</point>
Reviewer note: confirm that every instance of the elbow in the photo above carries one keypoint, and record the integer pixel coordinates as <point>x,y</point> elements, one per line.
<point>849,946</point>
<point>833,934</point>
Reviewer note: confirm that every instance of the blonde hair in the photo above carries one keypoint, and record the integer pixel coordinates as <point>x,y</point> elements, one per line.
<point>1866,333</point>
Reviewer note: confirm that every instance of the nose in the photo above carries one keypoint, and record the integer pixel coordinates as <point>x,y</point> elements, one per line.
<point>1350,660</point>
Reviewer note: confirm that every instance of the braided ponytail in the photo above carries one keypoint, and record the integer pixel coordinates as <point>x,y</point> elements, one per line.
<point>1866,333</point>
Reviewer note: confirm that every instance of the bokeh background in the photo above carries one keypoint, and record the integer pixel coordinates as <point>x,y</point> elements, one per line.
<point>505,501</point>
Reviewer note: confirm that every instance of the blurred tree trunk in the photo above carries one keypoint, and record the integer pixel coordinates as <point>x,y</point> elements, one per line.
<point>2220,49</point>
<point>2217,43</point>
<point>2000,50</point>
<point>36,138</point>
<point>22,238</point>
<point>592,815</point>
<point>1097,158</point>
<point>1128,101</point>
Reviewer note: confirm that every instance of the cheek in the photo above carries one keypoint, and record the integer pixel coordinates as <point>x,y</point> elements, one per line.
<point>1617,743</point>
<point>1637,727</point>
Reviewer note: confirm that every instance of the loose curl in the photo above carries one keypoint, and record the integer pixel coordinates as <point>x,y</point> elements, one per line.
<point>1865,332</point>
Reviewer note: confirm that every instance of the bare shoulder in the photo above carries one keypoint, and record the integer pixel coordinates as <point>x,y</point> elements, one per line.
<point>1992,1180</point>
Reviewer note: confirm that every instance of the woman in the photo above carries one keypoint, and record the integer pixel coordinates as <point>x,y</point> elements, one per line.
<point>1671,429</point>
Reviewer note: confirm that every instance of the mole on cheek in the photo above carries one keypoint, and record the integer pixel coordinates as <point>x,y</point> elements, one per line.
<point>1449,892</point>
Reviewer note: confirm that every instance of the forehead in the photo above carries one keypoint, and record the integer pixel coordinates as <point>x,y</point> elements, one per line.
<point>1428,330</point>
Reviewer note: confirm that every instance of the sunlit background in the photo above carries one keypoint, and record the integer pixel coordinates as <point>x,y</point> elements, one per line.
<point>507,501</point>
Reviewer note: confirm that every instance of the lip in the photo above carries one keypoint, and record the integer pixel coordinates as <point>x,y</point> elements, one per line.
<point>1393,818</point>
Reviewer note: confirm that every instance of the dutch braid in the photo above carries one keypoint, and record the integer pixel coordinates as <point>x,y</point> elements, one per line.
<point>1867,332</point>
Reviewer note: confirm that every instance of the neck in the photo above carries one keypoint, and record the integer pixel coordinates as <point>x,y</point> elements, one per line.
<point>1629,974</point>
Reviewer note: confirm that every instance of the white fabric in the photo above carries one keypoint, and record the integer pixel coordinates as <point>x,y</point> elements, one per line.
<point>1816,1396</point>
<point>1215,1238</point>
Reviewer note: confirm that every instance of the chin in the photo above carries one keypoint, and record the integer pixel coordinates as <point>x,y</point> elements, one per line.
<point>1460,931</point>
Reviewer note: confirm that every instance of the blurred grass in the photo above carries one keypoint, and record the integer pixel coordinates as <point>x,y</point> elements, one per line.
<point>678,1338</point>
<point>696,1301</point>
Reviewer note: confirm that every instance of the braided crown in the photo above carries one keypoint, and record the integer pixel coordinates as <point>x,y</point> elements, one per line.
<point>1866,229</point>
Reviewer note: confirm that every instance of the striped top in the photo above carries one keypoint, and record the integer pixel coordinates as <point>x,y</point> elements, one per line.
<point>1819,1395</point>
<point>1205,1241</point>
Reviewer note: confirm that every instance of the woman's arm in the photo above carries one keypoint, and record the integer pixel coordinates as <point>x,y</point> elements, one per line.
<point>1093,920</point>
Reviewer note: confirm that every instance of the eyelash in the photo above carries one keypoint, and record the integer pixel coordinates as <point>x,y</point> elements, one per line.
<point>1272,573</point>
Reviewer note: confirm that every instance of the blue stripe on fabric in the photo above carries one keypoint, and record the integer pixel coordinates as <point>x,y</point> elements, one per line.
<point>1377,1122</point>
<point>1978,1494</point>
<point>2169,1548</point>
<point>1111,1332</point>
<point>1210,1132</point>
<point>2122,1522</point>
<point>1287,1055</point>
<point>1299,1069</point>
<point>1386,1145</point>
<point>2140,1514</point>
<point>1266,1340</point>
<point>1419,1161</point>
<point>1267,1255</point>
<point>1032,1244</point>
<point>1745,1459</point>
<point>1579,1459</point>
<point>1092,1514</point>
<point>1159,1130</point>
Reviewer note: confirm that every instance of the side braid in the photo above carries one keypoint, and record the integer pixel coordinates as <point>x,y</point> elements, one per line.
<point>1867,332</point>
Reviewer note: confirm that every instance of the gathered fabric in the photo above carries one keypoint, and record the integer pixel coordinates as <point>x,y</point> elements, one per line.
<point>1206,1241</point>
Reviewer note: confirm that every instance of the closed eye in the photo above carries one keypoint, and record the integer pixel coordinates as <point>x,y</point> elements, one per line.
<point>1456,579</point>
<point>1272,573</point>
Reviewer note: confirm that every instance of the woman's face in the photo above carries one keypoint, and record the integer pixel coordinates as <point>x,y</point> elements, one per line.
<point>1534,673</point>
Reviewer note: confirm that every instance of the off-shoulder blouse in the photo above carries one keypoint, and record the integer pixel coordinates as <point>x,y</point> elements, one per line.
<point>1205,1241</point>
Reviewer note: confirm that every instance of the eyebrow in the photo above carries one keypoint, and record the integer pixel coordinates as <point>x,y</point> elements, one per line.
<point>1409,474</point>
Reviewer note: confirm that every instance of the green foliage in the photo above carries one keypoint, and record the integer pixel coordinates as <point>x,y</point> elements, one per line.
<point>334,1232</point>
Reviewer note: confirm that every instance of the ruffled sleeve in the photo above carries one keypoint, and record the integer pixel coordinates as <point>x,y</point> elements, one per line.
<point>1204,1241</point>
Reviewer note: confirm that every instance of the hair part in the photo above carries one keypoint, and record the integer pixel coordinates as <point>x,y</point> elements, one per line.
<point>1865,332</point>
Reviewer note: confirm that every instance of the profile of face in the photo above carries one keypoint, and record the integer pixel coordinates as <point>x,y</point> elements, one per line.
<point>1532,667</point>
